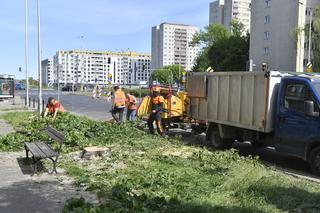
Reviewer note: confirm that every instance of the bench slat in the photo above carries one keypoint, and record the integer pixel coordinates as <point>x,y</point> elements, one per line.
<point>54,134</point>
<point>46,149</point>
<point>34,149</point>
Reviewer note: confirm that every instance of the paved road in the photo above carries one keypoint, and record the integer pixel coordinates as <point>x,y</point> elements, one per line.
<point>97,109</point>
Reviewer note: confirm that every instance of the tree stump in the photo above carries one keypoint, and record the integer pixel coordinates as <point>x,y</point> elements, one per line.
<point>91,152</point>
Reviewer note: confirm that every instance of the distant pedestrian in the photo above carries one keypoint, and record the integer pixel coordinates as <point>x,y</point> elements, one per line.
<point>119,103</point>
<point>53,108</point>
<point>131,103</point>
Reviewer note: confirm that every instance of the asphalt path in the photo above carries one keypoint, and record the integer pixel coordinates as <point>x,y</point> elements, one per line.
<point>97,109</point>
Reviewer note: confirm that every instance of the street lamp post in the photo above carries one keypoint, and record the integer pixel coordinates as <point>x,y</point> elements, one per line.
<point>58,80</point>
<point>26,52</point>
<point>39,57</point>
<point>310,36</point>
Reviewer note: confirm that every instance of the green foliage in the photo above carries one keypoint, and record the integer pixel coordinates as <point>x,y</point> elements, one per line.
<point>32,82</point>
<point>222,50</point>
<point>168,74</point>
<point>316,39</point>
<point>138,92</point>
<point>79,132</point>
<point>79,205</point>
<point>147,173</point>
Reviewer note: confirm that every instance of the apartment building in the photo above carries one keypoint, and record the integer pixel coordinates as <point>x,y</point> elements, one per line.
<point>93,67</point>
<point>216,12</point>
<point>277,34</point>
<point>171,45</point>
<point>224,11</point>
<point>47,71</point>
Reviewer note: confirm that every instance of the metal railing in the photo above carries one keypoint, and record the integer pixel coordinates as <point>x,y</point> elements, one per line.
<point>34,103</point>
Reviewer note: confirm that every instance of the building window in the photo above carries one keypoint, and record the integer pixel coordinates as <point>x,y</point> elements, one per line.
<point>266,50</point>
<point>268,3</point>
<point>267,35</point>
<point>267,19</point>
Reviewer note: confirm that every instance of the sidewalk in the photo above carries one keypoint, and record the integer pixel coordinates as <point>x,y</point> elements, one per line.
<point>23,193</point>
<point>5,128</point>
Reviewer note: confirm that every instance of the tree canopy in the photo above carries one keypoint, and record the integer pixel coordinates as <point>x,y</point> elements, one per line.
<point>167,74</point>
<point>221,49</point>
<point>316,38</point>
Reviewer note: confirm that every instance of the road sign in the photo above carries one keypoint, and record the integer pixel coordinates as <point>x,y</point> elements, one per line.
<point>210,69</point>
<point>184,77</point>
<point>309,67</point>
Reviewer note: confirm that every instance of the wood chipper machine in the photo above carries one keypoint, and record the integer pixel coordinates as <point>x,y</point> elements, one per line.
<point>175,109</point>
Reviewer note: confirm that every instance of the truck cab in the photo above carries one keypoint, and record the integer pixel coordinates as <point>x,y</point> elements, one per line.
<point>297,120</point>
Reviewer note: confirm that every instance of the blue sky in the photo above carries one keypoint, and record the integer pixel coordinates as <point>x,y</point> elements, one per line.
<point>104,24</point>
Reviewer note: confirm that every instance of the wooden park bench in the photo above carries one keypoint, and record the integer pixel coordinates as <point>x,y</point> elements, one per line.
<point>42,150</point>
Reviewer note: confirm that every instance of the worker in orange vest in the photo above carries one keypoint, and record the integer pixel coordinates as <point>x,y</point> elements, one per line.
<point>53,108</point>
<point>119,104</point>
<point>131,107</point>
<point>157,102</point>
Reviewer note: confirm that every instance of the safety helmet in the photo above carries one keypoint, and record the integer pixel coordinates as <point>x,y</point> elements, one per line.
<point>156,89</point>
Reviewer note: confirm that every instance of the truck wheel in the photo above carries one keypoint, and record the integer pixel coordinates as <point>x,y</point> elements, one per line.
<point>217,142</point>
<point>314,161</point>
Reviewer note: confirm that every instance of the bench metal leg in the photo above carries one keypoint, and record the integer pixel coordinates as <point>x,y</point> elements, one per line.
<point>27,153</point>
<point>54,162</point>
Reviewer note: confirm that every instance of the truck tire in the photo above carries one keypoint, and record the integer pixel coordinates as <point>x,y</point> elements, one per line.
<point>216,141</point>
<point>314,161</point>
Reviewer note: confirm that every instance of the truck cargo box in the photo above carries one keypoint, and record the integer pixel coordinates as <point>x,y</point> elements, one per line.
<point>239,99</point>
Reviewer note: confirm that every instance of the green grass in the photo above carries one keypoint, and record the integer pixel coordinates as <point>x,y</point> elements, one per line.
<point>151,174</point>
<point>16,119</point>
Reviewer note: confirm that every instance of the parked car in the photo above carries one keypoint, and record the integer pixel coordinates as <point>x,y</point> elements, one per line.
<point>20,86</point>
<point>68,88</point>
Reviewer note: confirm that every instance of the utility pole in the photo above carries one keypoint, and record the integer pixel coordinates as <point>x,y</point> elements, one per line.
<point>39,57</point>
<point>26,52</point>
<point>58,74</point>
<point>310,36</point>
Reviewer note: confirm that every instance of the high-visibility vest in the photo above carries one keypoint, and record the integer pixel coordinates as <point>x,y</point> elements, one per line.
<point>157,101</point>
<point>119,99</point>
<point>132,102</point>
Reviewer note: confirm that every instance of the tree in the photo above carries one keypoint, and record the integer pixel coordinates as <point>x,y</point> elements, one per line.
<point>167,75</point>
<point>316,38</point>
<point>222,50</point>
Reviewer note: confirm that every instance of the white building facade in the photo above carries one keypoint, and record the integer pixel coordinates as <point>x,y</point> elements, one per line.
<point>171,45</point>
<point>92,67</point>
<point>277,34</point>
<point>224,11</point>
<point>47,71</point>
